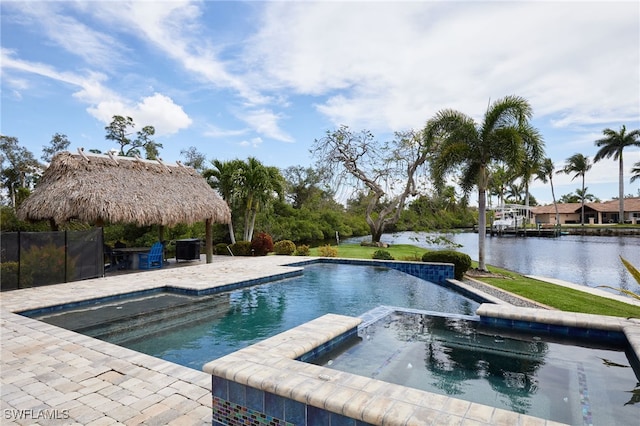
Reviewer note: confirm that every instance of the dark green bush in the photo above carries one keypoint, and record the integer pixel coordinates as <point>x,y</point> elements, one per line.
<point>461,261</point>
<point>284,247</point>
<point>382,255</point>
<point>241,248</point>
<point>302,250</point>
<point>262,244</point>
<point>221,249</point>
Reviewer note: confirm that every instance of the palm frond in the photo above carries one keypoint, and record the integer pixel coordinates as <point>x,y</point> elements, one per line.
<point>632,270</point>
<point>622,290</point>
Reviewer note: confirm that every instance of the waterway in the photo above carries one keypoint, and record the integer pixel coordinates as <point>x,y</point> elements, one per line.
<point>580,259</point>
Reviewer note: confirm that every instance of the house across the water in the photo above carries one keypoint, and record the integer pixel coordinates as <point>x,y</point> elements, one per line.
<point>594,213</point>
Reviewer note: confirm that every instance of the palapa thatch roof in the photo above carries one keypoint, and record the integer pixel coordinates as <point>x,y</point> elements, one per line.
<point>97,188</point>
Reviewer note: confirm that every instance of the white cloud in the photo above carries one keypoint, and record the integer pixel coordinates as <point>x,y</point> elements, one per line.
<point>162,113</point>
<point>64,30</point>
<point>157,110</point>
<point>252,143</point>
<point>174,28</point>
<point>395,65</point>
<point>265,122</point>
<point>216,132</point>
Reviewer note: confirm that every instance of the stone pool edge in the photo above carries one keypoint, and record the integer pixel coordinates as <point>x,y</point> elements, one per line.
<point>266,380</point>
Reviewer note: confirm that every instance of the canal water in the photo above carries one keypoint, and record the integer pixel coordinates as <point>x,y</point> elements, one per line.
<point>580,259</point>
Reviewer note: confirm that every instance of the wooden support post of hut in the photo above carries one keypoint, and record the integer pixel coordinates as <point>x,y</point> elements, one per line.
<point>96,189</point>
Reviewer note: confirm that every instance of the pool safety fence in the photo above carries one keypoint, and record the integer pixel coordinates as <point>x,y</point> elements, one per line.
<point>32,259</point>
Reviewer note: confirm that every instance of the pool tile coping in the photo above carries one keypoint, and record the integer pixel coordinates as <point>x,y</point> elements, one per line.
<point>271,366</point>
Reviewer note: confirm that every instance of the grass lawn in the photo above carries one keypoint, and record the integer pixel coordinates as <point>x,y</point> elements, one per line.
<point>556,296</point>
<point>356,251</point>
<point>559,297</point>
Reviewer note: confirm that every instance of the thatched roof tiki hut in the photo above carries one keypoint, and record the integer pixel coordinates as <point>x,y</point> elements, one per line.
<point>100,189</point>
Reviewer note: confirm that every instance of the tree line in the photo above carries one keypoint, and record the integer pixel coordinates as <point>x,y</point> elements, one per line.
<point>408,183</point>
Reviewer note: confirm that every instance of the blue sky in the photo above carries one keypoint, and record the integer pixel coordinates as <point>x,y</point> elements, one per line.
<point>265,79</point>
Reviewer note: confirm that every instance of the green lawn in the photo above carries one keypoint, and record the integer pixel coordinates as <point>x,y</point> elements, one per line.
<point>559,297</point>
<point>356,251</point>
<point>549,294</point>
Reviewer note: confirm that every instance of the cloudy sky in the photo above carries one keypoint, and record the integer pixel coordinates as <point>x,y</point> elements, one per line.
<point>265,79</point>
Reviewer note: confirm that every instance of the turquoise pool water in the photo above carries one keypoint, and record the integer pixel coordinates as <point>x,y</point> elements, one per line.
<point>574,382</point>
<point>193,330</point>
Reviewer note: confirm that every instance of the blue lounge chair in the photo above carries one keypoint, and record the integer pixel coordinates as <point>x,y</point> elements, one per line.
<point>153,259</point>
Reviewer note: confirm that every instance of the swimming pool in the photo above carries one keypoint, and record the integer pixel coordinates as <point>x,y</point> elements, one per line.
<point>193,330</point>
<point>570,381</point>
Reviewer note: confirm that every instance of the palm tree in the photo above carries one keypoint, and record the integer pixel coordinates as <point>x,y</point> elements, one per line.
<point>257,185</point>
<point>545,174</point>
<point>223,178</point>
<point>583,194</point>
<point>499,178</point>
<point>635,172</point>
<point>515,191</point>
<point>525,172</point>
<point>504,135</point>
<point>580,165</point>
<point>612,145</point>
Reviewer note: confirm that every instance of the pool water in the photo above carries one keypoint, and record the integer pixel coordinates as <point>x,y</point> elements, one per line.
<point>568,382</point>
<point>193,330</point>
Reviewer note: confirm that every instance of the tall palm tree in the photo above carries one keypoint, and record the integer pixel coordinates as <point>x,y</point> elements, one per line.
<point>223,178</point>
<point>525,172</point>
<point>579,165</point>
<point>545,174</point>
<point>504,135</point>
<point>499,178</point>
<point>257,185</point>
<point>515,191</point>
<point>612,145</point>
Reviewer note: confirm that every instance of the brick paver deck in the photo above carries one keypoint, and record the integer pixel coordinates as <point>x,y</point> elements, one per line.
<point>50,375</point>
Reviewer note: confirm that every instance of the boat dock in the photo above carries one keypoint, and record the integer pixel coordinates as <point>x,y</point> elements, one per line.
<point>526,232</point>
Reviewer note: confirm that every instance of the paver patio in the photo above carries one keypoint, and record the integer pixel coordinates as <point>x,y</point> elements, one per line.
<point>50,375</point>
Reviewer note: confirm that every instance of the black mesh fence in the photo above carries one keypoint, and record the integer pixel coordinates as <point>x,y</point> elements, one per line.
<point>31,259</point>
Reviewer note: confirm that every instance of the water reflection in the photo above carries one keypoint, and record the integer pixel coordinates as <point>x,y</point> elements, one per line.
<point>581,259</point>
<point>457,354</point>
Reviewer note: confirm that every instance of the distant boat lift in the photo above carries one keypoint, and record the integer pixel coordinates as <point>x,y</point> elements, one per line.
<point>510,217</point>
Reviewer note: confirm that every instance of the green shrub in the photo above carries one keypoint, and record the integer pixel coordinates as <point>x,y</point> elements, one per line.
<point>382,255</point>
<point>302,250</point>
<point>327,251</point>
<point>461,261</point>
<point>221,249</point>
<point>284,247</point>
<point>241,248</point>
<point>262,244</point>
<point>412,257</point>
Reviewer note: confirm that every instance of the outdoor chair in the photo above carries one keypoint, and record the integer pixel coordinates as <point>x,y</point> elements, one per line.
<point>153,259</point>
